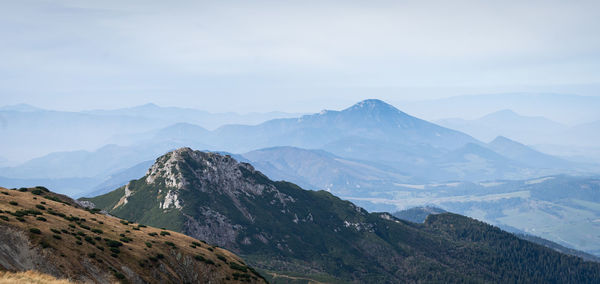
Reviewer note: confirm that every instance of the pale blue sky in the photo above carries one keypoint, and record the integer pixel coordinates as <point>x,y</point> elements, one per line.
<point>291,56</point>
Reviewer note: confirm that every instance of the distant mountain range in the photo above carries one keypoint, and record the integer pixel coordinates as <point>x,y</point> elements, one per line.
<point>527,129</point>
<point>532,130</point>
<point>29,132</point>
<point>564,108</point>
<point>312,235</point>
<point>372,144</point>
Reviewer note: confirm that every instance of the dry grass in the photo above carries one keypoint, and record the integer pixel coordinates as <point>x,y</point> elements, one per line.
<point>145,251</point>
<point>29,277</point>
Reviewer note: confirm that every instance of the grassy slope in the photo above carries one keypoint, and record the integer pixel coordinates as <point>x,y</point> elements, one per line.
<point>70,248</point>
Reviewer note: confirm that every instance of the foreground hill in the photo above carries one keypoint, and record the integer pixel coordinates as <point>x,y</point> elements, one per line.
<point>50,233</point>
<point>288,231</point>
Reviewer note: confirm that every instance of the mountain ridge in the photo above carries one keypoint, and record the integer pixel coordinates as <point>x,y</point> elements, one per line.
<point>281,228</point>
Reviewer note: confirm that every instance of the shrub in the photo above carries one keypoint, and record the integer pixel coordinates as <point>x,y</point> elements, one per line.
<point>197,244</point>
<point>72,226</point>
<point>5,193</point>
<point>97,231</point>
<point>55,231</point>
<point>41,219</point>
<point>119,275</point>
<point>124,222</point>
<point>160,256</point>
<point>84,226</point>
<point>126,239</point>
<point>22,189</point>
<point>13,203</point>
<point>44,244</point>
<point>57,237</point>
<point>92,255</point>
<point>222,258</point>
<point>153,234</point>
<point>41,207</point>
<point>115,250</point>
<point>35,231</point>
<point>164,233</point>
<point>171,244</point>
<point>199,258</point>
<point>5,218</point>
<point>90,240</point>
<point>36,192</point>
<point>236,266</point>
<point>148,244</point>
<point>208,261</point>
<point>113,243</point>
<point>42,188</point>
<point>21,219</point>
<point>100,248</point>
<point>79,242</point>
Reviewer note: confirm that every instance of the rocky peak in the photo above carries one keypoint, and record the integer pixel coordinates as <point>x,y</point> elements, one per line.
<point>185,168</point>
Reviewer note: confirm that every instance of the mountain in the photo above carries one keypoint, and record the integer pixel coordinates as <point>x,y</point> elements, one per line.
<point>290,232</point>
<point>370,119</point>
<point>318,169</point>
<point>564,108</point>
<point>417,214</point>
<point>528,129</point>
<point>29,132</point>
<point>51,233</point>
<point>420,214</point>
<point>376,144</point>
<point>171,115</point>
<point>526,155</point>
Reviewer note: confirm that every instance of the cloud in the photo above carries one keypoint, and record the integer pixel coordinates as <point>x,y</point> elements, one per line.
<point>118,47</point>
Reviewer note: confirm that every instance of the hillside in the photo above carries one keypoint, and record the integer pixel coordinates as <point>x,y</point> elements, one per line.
<point>52,234</point>
<point>285,230</point>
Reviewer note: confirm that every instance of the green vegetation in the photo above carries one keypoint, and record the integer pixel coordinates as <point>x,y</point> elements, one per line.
<point>236,266</point>
<point>306,232</point>
<point>13,203</point>
<point>221,257</point>
<point>35,231</point>
<point>113,243</point>
<point>41,207</point>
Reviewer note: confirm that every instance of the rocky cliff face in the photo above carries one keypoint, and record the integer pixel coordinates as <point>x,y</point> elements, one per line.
<point>286,230</point>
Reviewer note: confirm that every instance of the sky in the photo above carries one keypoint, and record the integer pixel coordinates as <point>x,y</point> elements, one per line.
<point>294,56</point>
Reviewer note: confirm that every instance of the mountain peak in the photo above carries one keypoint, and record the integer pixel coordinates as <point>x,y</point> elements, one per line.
<point>183,167</point>
<point>370,105</point>
<point>501,140</point>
